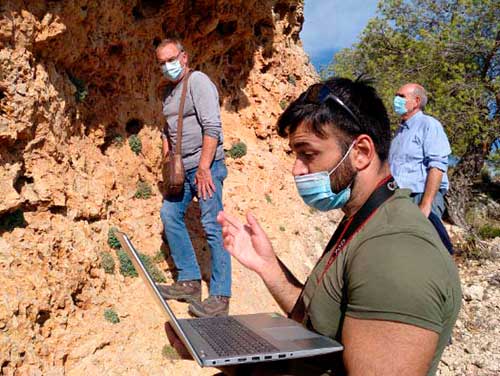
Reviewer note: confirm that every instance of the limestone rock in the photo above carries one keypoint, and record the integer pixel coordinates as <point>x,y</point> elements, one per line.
<point>78,79</point>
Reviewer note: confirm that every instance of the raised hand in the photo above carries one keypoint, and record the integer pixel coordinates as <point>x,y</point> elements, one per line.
<point>248,243</point>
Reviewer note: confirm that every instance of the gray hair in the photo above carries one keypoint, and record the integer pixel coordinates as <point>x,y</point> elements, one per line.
<point>175,41</point>
<point>420,92</point>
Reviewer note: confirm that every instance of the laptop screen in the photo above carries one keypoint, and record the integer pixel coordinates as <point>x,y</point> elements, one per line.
<point>146,277</point>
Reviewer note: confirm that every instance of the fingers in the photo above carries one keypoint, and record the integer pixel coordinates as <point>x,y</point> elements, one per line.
<point>228,244</point>
<point>227,219</point>
<point>206,188</point>
<point>254,224</point>
<point>211,188</point>
<point>230,228</point>
<point>206,191</point>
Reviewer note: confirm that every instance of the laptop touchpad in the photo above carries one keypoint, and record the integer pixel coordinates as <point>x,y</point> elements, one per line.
<point>289,333</point>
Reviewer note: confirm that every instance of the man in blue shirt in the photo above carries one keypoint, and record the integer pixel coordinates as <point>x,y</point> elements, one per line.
<point>419,151</point>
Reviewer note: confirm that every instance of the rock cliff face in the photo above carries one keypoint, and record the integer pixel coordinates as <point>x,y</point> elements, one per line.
<point>78,79</point>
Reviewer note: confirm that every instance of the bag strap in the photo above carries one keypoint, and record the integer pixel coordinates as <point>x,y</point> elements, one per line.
<point>180,115</point>
<point>347,228</point>
<point>384,191</point>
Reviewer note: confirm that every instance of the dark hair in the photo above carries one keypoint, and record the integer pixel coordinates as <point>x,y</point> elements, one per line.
<point>365,113</point>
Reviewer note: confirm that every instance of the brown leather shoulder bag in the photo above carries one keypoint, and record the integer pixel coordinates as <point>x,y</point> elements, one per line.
<point>173,168</point>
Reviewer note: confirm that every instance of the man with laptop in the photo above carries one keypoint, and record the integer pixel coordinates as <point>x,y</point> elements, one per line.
<point>385,286</point>
<point>228,340</point>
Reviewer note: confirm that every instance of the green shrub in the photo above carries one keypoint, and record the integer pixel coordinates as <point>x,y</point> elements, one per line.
<point>283,104</point>
<point>113,241</point>
<point>118,140</point>
<point>238,150</point>
<point>489,232</point>
<point>111,316</point>
<point>144,190</point>
<point>81,91</point>
<point>108,262</point>
<point>135,144</point>
<point>169,352</point>
<point>268,198</point>
<point>159,257</point>
<point>471,248</point>
<point>292,80</point>
<point>10,221</point>
<point>282,228</point>
<point>127,268</point>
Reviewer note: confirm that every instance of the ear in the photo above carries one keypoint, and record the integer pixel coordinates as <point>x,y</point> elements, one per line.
<point>418,100</point>
<point>185,57</point>
<point>363,152</point>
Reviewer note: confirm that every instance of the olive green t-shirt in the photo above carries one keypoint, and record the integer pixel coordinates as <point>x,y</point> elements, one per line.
<point>395,268</point>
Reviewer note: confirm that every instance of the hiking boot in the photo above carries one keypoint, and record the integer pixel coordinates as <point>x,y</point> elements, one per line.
<point>214,305</point>
<point>184,291</point>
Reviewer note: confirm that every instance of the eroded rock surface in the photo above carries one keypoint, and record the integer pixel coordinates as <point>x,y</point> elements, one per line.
<point>78,79</point>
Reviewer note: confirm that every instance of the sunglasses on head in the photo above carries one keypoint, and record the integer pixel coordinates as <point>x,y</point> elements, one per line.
<point>320,93</point>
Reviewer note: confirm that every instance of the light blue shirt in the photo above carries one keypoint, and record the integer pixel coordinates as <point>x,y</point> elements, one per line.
<point>419,144</point>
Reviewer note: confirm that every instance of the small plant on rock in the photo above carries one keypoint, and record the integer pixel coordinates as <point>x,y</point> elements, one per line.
<point>283,104</point>
<point>113,241</point>
<point>292,80</point>
<point>489,232</point>
<point>238,150</point>
<point>107,262</point>
<point>135,144</point>
<point>111,316</point>
<point>169,352</point>
<point>144,190</point>
<point>159,257</point>
<point>81,90</point>
<point>118,140</point>
<point>127,268</point>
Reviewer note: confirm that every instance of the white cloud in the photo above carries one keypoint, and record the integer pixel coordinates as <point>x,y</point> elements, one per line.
<point>334,24</point>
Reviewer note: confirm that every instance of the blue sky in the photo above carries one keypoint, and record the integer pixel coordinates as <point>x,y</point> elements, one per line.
<point>331,25</point>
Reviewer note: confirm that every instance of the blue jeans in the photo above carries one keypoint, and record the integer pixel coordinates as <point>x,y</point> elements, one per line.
<point>437,204</point>
<point>172,215</point>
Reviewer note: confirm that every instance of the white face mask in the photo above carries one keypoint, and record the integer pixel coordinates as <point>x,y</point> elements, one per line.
<point>172,70</point>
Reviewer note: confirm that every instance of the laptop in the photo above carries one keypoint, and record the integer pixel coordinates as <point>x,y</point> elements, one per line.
<point>226,340</point>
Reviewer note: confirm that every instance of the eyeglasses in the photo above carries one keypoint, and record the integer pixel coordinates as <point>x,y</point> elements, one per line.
<point>320,93</point>
<point>172,59</point>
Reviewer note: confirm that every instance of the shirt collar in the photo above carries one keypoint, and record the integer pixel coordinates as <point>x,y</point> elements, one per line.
<point>411,121</point>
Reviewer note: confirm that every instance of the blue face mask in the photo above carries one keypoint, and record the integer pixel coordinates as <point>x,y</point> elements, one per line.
<point>400,105</point>
<point>172,70</point>
<point>316,190</point>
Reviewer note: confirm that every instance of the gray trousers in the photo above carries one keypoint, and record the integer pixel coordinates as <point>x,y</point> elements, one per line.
<point>437,204</point>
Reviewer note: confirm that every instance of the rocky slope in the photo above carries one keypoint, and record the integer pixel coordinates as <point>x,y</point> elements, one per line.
<point>78,79</point>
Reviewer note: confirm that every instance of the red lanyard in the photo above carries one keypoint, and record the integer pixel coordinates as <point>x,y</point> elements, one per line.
<point>345,232</point>
<point>354,224</point>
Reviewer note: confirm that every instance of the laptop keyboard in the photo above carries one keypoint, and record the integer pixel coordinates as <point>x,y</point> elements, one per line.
<point>230,338</point>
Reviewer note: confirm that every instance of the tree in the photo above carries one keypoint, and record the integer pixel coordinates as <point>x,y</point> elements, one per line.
<point>452,48</point>
<point>493,161</point>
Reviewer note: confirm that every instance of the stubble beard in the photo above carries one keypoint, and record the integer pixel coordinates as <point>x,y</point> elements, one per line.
<point>343,176</point>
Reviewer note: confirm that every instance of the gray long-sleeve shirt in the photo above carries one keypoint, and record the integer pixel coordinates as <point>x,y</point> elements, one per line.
<point>201,117</point>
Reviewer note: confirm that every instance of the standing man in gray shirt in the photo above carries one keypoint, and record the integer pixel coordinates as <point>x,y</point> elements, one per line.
<point>203,159</point>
